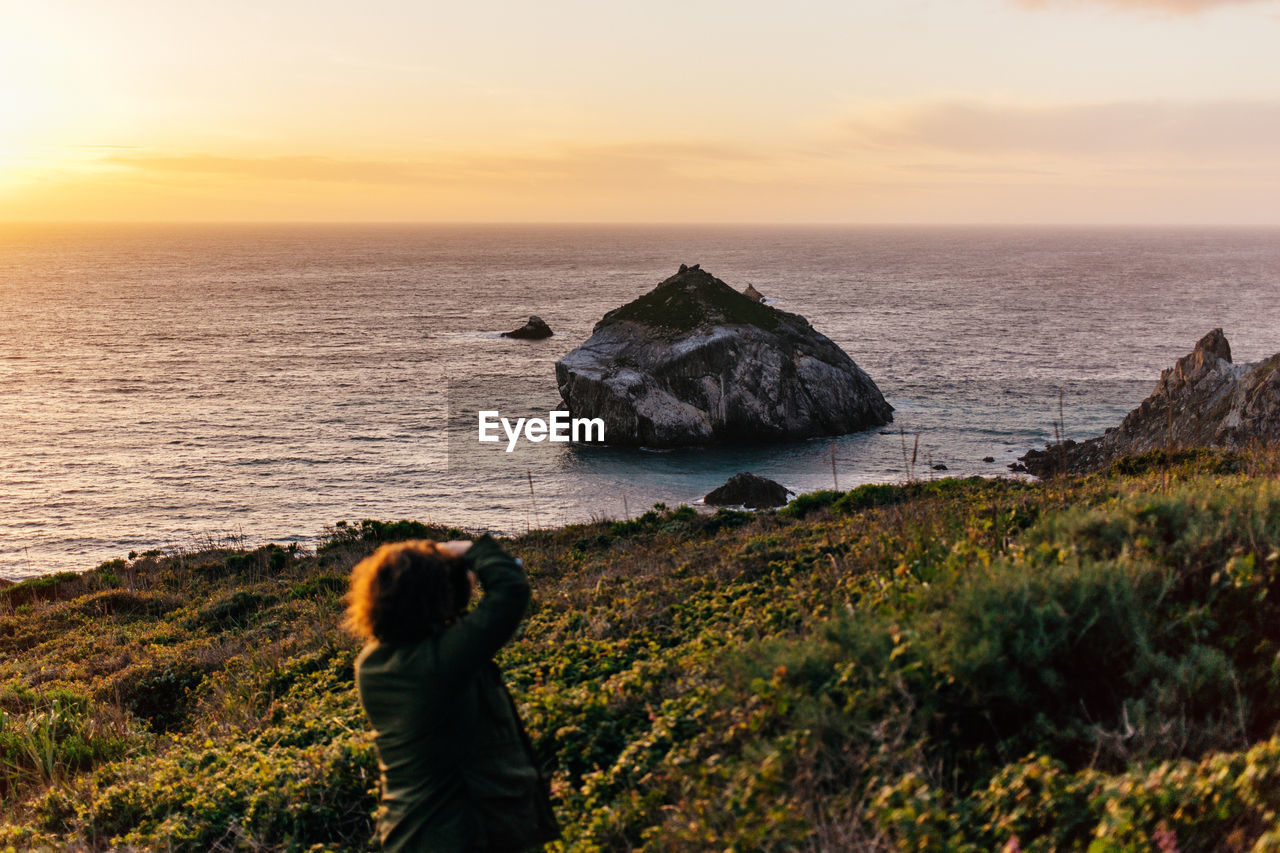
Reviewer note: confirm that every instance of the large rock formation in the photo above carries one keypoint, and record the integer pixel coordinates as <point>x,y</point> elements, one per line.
<point>1202,401</point>
<point>693,362</point>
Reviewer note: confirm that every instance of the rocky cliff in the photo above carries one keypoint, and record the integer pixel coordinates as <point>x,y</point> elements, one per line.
<point>1204,400</point>
<point>694,362</point>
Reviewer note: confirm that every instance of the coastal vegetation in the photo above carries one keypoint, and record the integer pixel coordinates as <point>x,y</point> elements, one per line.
<point>977,664</point>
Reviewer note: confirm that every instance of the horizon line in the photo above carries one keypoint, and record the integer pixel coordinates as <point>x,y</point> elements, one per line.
<point>16,223</point>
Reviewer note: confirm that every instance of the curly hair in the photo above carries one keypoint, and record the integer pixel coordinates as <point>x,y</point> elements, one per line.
<point>405,591</point>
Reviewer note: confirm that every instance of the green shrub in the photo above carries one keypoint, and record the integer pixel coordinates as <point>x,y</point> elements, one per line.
<point>320,586</point>
<point>160,693</point>
<point>230,611</point>
<point>56,736</point>
<point>595,542</point>
<point>44,588</point>
<point>119,602</point>
<point>197,796</point>
<point>372,531</point>
<point>1227,801</point>
<point>238,563</point>
<point>727,519</point>
<point>1192,460</point>
<point>802,505</point>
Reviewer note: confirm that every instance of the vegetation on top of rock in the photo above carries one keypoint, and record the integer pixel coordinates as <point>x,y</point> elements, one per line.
<point>953,664</point>
<point>693,298</point>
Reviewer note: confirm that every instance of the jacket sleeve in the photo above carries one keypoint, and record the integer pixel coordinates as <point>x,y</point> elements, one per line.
<point>478,635</point>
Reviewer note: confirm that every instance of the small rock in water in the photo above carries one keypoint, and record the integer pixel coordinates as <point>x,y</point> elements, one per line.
<point>939,467</point>
<point>988,459</point>
<point>535,329</point>
<point>748,490</point>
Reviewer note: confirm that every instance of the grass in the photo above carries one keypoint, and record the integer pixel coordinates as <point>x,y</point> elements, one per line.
<point>1092,662</point>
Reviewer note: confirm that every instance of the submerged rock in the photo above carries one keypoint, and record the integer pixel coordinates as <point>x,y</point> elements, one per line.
<point>750,491</point>
<point>693,361</point>
<point>1204,400</point>
<point>535,329</point>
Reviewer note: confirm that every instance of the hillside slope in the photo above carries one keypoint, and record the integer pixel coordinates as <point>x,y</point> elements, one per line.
<point>946,664</point>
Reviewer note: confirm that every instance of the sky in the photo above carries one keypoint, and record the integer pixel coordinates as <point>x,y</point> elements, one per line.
<point>698,111</point>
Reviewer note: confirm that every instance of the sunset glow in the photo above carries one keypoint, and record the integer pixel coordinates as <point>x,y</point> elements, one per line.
<point>1162,111</point>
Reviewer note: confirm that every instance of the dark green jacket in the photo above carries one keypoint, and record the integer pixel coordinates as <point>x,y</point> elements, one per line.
<point>457,770</point>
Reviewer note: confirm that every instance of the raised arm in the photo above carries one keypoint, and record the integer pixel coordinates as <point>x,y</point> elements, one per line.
<point>478,635</point>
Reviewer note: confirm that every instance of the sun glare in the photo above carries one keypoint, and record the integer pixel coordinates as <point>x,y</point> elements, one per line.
<point>7,121</point>
<point>15,123</point>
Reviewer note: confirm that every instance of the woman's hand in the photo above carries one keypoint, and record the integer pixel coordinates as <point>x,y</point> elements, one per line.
<point>454,548</point>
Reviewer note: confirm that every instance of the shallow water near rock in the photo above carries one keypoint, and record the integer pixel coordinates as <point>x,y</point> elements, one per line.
<point>161,387</point>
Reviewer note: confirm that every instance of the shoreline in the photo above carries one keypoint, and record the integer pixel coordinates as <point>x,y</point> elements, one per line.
<point>206,542</point>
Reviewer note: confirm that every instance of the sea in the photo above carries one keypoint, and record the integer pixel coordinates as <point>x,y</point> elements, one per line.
<point>172,387</point>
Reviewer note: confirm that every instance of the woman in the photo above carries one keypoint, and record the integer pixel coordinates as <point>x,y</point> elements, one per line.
<point>457,769</point>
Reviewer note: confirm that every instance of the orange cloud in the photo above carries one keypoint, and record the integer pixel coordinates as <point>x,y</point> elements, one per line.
<point>626,164</point>
<point>634,159</point>
<point>1182,7</point>
<point>971,161</point>
<point>658,180</point>
<point>1150,131</point>
<point>296,168</point>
